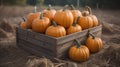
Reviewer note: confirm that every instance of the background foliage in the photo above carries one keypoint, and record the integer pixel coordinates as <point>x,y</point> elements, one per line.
<point>92,3</point>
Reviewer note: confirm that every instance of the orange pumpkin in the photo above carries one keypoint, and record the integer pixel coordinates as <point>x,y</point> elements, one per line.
<point>86,11</point>
<point>23,24</point>
<point>79,52</point>
<point>31,17</point>
<point>41,24</point>
<point>49,13</point>
<point>94,18</point>
<point>94,44</point>
<point>85,21</point>
<point>55,30</point>
<point>74,28</point>
<point>75,12</point>
<point>64,17</point>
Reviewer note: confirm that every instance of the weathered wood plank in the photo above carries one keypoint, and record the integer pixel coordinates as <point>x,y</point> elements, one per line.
<point>20,36</point>
<point>42,44</point>
<point>34,46</point>
<point>35,52</point>
<point>21,31</point>
<point>64,47</point>
<point>76,35</point>
<point>41,37</point>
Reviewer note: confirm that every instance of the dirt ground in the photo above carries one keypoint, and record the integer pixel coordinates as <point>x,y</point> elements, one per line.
<point>12,56</point>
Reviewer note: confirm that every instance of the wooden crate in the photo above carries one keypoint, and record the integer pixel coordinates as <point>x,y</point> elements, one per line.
<point>51,47</point>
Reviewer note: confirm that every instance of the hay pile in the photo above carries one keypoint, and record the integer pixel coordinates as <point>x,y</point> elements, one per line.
<point>6,26</point>
<point>39,62</point>
<point>3,34</point>
<point>112,55</point>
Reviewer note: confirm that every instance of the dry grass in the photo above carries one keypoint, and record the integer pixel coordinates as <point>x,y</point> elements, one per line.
<point>3,34</point>
<point>39,62</point>
<point>6,26</point>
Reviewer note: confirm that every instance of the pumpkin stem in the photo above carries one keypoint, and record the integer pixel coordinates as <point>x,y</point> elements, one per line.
<point>89,9</point>
<point>72,7</point>
<point>75,22</point>
<point>54,24</point>
<point>65,7</point>
<point>35,9</point>
<point>84,14</point>
<point>78,43</point>
<point>41,15</point>
<point>93,36</point>
<point>23,19</point>
<point>49,7</point>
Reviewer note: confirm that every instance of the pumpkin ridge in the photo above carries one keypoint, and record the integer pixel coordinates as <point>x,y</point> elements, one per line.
<point>73,53</point>
<point>76,54</point>
<point>69,20</point>
<point>100,42</point>
<point>86,52</point>
<point>83,54</point>
<point>80,52</point>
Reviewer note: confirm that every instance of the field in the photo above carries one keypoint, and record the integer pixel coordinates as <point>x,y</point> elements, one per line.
<point>12,56</point>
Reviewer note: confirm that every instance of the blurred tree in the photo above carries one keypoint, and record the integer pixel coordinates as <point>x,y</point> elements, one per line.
<point>52,2</point>
<point>91,3</point>
<point>13,2</point>
<point>32,2</point>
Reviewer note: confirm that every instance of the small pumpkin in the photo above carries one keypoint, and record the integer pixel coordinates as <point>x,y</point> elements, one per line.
<point>23,24</point>
<point>64,17</point>
<point>50,13</point>
<point>85,21</point>
<point>94,43</point>
<point>75,12</point>
<point>94,18</point>
<point>41,24</point>
<point>79,52</point>
<point>86,10</point>
<point>31,17</point>
<point>74,28</point>
<point>55,30</point>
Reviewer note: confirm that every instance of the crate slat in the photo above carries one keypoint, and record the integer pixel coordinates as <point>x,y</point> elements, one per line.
<point>33,51</point>
<point>76,35</point>
<point>35,47</point>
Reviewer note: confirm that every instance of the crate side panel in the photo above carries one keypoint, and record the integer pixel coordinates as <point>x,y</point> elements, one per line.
<point>21,31</point>
<point>41,37</point>
<point>77,35</point>
<point>33,51</point>
<point>35,47</point>
<point>42,44</point>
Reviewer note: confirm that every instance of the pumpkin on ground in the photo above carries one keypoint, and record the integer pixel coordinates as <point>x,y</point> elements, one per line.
<point>94,43</point>
<point>85,21</point>
<point>64,17</point>
<point>23,24</point>
<point>41,24</point>
<point>55,30</point>
<point>79,52</point>
<point>31,17</point>
<point>75,12</point>
<point>94,18</point>
<point>86,10</point>
<point>49,13</point>
<point>74,28</point>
